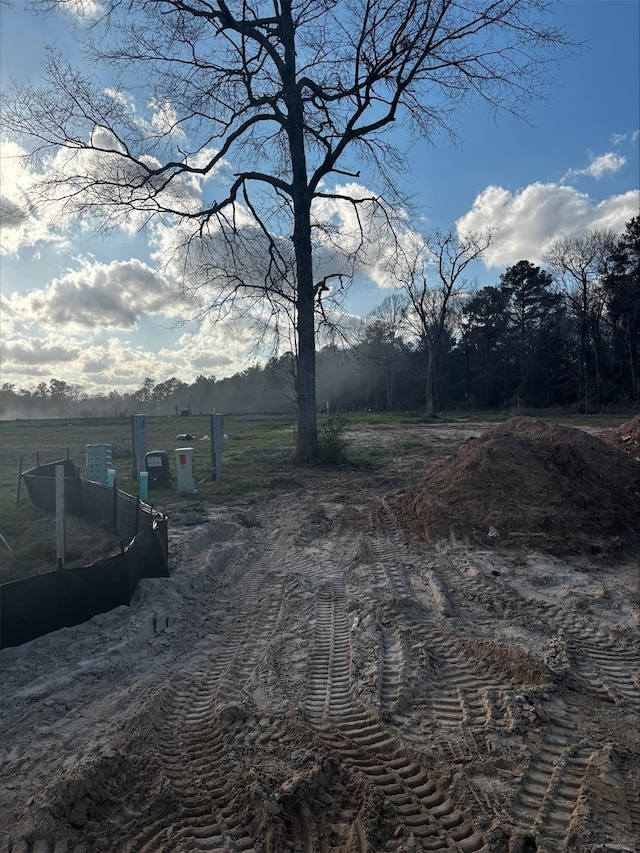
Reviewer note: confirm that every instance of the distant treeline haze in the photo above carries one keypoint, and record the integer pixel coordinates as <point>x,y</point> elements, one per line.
<point>565,336</point>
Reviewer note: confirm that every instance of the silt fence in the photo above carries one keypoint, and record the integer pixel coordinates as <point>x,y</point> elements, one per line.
<point>37,605</point>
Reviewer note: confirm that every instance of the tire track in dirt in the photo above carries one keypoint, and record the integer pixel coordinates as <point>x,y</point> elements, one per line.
<point>421,804</point>
<point>462,684</point>
<point>604,662</point>
<point>470,712</point>
<point>462,698</point>
<point>631,788</point>
<point>607,669</point>
<point>195,749</point>
<point>393,674</point>
<point>197,723</point>
<point>551,787</point>
<point>210,720</point>
<point>463,673</point>
<point>460,715</point>
<point>600,661</point>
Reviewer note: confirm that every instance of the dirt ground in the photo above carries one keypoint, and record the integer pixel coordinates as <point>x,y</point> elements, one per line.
<point>439,653</point>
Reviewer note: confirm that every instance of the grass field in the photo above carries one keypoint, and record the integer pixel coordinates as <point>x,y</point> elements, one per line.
<point>257,460</point>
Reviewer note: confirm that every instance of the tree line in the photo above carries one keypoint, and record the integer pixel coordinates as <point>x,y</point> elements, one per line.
<point>562,335</point>
<point>566,334</point>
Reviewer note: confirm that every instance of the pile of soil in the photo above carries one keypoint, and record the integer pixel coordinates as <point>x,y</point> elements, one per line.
<point>531,483</point>
<point>627,438</point>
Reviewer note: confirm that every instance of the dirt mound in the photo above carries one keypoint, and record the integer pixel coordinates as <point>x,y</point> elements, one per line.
<point>627,438</point>
<point>528,482</point>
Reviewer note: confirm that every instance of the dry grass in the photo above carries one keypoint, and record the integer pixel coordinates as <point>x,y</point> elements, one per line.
<point>34,550</point>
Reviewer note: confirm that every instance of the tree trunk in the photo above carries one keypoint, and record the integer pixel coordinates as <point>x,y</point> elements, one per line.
<point>307,440</point>
<point>389,377</point>
<point>467,382</point>
<point>429,384</point>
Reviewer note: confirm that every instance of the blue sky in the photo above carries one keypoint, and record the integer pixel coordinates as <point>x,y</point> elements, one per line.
<point>90,311</point>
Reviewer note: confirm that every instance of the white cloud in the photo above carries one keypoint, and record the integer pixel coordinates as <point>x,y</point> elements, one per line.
<point>35,352</point>
<point>525,223</point>
<point>361,240</point>
<point>94,296</point>
<point>620,139</point>
<point>124,99</point>
<point>89,184</point>
<point>600,166</point>
<point>119,364</point>
<point>44,203</point>
<point>375,237</point>
<point>83,9</point>
<point>28,360</point>
<point>215,348</point>
<point>61,332</point>
<point>21,223</point>
<point>216,268</point>
<point>164,118</point>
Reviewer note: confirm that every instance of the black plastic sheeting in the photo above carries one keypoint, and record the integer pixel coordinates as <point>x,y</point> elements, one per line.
<point>40,604</point>
<point>41,486</point>
<point>125,514</point>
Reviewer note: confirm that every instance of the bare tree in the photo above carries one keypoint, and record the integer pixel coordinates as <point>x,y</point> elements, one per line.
<point>387,321</point>
<point>257,108</point>
<point>434,305</point>
<point>582,265</point>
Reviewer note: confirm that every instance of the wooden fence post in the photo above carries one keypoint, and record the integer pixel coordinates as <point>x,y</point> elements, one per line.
<point>19,480</point>
<point>60,510</point>
<point>115,505</point>
<point>137,522</point>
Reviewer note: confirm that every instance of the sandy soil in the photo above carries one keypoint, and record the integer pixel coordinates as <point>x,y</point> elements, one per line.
<point>326,670</point>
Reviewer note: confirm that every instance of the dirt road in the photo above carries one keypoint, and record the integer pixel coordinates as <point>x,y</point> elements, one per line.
<point>314,678</point>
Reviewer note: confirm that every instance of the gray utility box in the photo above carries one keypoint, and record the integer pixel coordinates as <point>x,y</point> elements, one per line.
<point>156,464</point>
<point>138,443</point>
